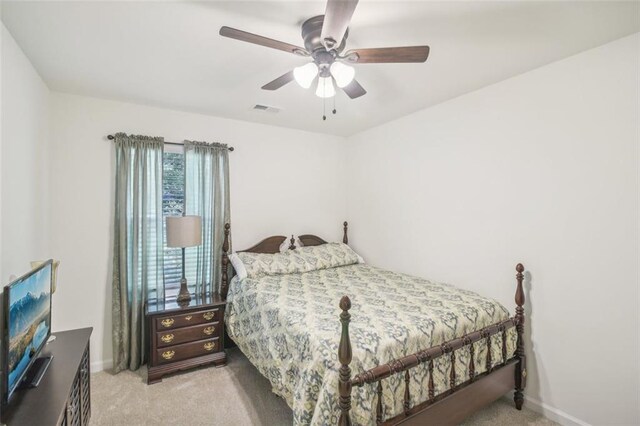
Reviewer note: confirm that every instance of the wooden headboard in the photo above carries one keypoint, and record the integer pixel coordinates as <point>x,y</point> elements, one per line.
<point>269,245</point>
<point>311,240</point>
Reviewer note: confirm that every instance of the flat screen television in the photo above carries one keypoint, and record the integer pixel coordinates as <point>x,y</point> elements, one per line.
<point>27,324</point>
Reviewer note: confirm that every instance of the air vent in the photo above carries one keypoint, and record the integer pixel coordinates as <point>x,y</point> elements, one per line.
<point>265,108</point>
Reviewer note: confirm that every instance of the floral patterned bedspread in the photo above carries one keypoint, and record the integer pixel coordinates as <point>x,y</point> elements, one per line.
<point>288,327</point>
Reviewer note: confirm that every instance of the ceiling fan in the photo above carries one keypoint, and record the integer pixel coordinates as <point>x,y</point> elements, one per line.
<point>325,37</point>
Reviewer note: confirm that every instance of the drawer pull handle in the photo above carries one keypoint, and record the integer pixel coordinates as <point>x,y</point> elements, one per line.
<point>188,317</point>
<point>167,322</point>
<point>167,338</point>
<point>168,354</point>
<point>209,330</point>
<point>209,346</point>
<point>208,315</point>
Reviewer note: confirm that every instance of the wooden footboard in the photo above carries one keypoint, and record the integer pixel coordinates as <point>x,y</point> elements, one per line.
<point>460,400</point>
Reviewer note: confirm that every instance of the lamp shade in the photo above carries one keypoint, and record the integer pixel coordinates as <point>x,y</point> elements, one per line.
<point>325,88</point>
<point>305,74</point>
<point>342,73</point>
<point>184,231</point>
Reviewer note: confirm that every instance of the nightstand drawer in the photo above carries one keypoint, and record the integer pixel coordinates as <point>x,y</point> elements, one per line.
<point>188,334</point>
<point>187,350</point>
<point>184,320</point>
<point>181,336</point>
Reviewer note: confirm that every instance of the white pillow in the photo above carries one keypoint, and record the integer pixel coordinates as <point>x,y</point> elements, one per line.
<point>238,266</point>
<point>284,247</point>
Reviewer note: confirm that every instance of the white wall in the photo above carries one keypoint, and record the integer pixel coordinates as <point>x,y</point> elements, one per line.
<point>542,169</point>
<point>282,181</point>
<point>24,158</point>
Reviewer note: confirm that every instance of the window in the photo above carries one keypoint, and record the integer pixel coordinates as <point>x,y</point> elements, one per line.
<point>172,205</point>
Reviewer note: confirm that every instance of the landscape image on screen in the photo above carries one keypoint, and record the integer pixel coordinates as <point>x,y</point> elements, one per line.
<point>29,321</point>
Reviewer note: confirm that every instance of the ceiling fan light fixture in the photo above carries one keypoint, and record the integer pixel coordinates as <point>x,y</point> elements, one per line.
<point>342,73</point>
<point>325,88</point>
<point>324,38</point>
<point>305,74</point>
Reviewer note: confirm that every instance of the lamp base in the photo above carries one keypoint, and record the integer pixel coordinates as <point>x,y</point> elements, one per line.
<point>183,296</point>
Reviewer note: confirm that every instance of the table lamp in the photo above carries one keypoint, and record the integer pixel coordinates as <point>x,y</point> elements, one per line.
<point>184,231</point>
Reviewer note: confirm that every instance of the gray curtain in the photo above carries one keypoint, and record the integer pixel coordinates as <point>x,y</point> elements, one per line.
<point>206,195</point>
<point>137,243</point>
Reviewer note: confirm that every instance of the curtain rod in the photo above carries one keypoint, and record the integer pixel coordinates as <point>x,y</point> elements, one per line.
<point>111,137</point>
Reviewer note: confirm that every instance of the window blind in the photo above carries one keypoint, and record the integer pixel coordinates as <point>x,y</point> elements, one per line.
<point>173,205</point>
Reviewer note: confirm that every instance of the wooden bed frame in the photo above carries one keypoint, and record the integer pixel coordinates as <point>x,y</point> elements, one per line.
<point>447,408</point>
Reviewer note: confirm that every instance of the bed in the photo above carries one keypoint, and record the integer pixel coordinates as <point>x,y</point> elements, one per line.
<point>414,352</point>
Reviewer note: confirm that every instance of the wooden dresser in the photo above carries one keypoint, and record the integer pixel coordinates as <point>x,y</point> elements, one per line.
<point>183,337</point>
<point>63,397</point>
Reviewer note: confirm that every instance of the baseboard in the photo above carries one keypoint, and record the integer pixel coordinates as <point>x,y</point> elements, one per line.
<point>550,412</point>
<point>101,365</point>
<point>553,413</point>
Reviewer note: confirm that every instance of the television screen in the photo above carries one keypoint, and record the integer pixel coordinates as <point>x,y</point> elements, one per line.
<point>27,322</point>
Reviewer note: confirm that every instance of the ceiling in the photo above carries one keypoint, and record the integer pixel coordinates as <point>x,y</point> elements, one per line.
<point>169,54</point>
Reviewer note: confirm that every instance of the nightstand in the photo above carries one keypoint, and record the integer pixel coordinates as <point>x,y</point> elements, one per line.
<point>184,337</point>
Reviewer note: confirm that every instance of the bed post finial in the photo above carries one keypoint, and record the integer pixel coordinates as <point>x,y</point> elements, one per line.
<point>292,243</point>
<point>521,370</point>
<point>344,356</point>
<point>345,239</point>
<point>224,285</point>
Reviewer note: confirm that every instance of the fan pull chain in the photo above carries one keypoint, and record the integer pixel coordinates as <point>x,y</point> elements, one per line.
<point>334,105</point>
<point>324,107</point>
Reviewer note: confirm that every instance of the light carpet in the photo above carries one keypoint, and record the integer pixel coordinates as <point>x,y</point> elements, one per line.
<point>233,395</point>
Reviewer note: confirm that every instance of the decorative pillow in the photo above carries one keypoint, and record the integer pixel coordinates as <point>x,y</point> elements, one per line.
<point>304,259</point>
<point>238,266</point>
<point>259,264</point>
<point>324,256</point>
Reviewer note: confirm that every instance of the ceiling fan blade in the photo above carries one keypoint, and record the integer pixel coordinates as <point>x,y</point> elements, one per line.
<point>279,82</point>
<point>354,90</point>
<point>262,41</point>
<point>337,18</point>
<point>388,55</point>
